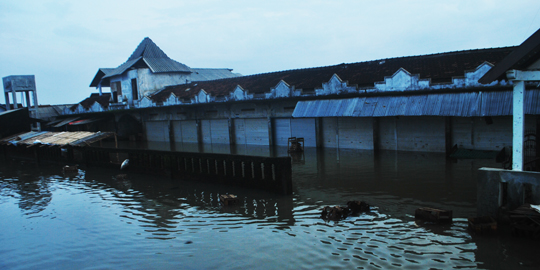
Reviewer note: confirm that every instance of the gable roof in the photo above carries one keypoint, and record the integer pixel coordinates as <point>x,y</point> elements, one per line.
<point>439,68</point>
<point>103,100</point>
<point>521,58</point>
<point>146,54</point>
<point>99,75</point>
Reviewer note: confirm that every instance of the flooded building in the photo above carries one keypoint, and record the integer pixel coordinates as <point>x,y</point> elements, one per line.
<point>147,70</point>
<point>430,103</point>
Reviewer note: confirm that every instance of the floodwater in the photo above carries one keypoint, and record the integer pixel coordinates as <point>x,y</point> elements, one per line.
<point>93,221</point>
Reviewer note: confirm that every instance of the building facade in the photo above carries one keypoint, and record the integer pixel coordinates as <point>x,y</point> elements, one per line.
<point>426,103</point>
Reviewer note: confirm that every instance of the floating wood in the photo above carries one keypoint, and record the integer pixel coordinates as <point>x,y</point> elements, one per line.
<point>228,199</point>
<point>433,215</point>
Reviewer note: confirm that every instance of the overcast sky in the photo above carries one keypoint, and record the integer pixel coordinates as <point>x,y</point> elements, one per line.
<point>63,43</point>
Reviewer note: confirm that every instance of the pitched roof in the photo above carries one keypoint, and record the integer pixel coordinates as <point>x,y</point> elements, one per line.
<point>99,75</point>
<point>103,100</point>
<point>149,54</point>
<point>522,57</point>
<point>440,68</point>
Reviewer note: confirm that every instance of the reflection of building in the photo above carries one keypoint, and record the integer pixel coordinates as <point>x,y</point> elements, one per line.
<point>418,103</point>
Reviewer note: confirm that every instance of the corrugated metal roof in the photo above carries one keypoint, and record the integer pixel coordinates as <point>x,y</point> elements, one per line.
<point>370,104</point>
<point>416,105</point>
<point>448,104</point>
<point>158,65</point>
<point>532,102</point>
<point>77,138</point>
<point>496,103</point>
<point>208,74</point>
<point>381,107</point>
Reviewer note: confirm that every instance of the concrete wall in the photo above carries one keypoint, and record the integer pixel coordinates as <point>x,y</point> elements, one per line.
<point>521,188</point>
<point>149,82</point>
<point>257,123</point>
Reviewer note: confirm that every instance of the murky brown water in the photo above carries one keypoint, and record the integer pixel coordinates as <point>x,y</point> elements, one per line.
<point>93,221</point>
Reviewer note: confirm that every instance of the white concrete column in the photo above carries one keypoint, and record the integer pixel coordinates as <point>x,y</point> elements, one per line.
<point>99,88</point>
<point>14,95</point>
<point>519,125</point>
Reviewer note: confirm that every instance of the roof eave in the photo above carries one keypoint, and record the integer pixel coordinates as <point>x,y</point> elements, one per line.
<point>517,59</point>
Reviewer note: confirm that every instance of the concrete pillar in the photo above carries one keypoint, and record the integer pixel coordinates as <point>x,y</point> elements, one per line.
<point>14,94</point>
<point>448,140</point>
<point>519,125</point>
<point>99,88</point>
<point>318,132</point>
<point>8,105</point>
<point>271,139</point>
<point>376,134</point>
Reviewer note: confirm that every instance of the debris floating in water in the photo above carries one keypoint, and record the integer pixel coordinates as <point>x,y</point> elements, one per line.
<point>341,212</point>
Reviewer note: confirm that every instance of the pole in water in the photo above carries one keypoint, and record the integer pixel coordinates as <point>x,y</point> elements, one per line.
<point>124,164</point>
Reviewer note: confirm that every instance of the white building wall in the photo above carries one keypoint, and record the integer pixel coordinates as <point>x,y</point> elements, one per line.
<point>424,134</point>
<point>329,132</point>
<point>149,82</point>
<point>355,133</point>
<point>481,134</point>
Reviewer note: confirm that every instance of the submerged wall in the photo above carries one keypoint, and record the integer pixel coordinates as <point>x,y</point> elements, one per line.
<point>503,188</point>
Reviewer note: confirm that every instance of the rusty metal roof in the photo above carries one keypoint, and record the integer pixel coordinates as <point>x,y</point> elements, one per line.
<point>78,138</point>
<point>495,103</point>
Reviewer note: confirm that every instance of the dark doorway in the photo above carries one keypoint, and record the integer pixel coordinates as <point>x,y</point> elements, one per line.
<point>134,90</point>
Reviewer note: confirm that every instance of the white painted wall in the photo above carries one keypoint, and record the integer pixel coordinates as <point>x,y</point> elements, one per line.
<point>476,133</point>
<point>355,133</point>
<point>149,82</point>
<point>422,133</point>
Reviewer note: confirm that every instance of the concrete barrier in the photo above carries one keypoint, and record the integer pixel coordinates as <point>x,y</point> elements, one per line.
<point>504,189</point>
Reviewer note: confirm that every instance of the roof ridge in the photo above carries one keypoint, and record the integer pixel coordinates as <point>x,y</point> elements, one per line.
<point>376,60</point>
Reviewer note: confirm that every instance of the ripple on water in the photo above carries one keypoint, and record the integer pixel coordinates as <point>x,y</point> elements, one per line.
<point>138,225</point>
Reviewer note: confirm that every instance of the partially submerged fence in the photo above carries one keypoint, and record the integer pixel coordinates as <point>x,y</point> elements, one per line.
<point>268,173</point>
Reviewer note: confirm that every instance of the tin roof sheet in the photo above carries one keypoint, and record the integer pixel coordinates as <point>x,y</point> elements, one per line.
<point>78,138</point>
<point>448,104</point>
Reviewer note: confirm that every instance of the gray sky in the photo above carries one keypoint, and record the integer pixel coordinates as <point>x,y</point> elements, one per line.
<point>63,43</point>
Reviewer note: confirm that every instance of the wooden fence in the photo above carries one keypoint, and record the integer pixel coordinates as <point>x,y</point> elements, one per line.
<point>269,173</point>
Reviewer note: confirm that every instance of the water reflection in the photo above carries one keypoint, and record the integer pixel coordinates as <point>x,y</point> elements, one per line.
<point>26,183</point>
<point>155,222</point>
